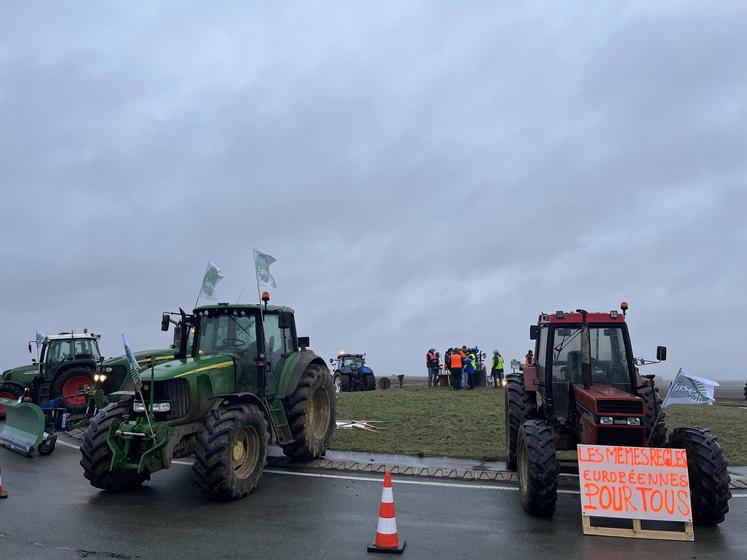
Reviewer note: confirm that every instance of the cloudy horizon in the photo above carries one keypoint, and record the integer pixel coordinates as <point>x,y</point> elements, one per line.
<point>427,174</point>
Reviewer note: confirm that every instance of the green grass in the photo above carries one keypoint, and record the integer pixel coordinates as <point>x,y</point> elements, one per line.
<point>469,424</point>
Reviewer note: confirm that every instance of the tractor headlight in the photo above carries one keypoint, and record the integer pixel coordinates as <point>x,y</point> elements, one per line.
<point>605,420</point>
<point>634,421</point>
<point>99,377</point>
<point>108,370</point>
<point>138,406</point>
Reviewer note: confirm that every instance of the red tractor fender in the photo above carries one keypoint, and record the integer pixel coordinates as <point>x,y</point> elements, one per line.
<point>532,380</point>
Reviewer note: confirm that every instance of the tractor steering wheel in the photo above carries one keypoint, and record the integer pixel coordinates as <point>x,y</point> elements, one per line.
<point>233,342</point>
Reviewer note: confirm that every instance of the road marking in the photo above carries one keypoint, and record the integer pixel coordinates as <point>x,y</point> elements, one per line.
<point>379,480</point>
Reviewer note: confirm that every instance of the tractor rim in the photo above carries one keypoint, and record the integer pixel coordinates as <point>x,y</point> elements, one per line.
<point>338,384</point>
<point>245,452</point>
<point>72,387</point>
<point>319,413</point>
<point>6,395</point>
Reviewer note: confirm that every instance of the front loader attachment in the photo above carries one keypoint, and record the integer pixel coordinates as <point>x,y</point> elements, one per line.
<point>24,427</point>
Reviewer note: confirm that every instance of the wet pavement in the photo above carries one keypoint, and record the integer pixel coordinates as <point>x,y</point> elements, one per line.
<point>52,513</point>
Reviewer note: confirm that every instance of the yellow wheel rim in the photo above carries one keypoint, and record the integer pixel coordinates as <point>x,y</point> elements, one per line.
<point>245,452</point>
<point>319,413</point>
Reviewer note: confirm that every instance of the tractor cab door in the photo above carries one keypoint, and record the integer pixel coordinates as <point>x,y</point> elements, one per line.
<point>279,343</point>
<point>235,335</point>
<point>54,353</point>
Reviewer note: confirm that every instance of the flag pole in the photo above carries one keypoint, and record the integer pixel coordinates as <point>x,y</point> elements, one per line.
<point>661,408</point>
<point>259,294</point>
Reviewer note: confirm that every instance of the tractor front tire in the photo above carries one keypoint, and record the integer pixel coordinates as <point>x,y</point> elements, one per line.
<point>369,382</point>
<point>97,455</point>
<point>538,468</point>
<point>342,383</point>
<point>231,451</point>
<point>311,414</point>
<point>657,434</point>
<point>9,391</point>
<point>519,405</point>
<point>68,385</point>
<point>708,474</point>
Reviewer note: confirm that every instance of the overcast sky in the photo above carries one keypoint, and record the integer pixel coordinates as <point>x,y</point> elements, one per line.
<point>426,173</point>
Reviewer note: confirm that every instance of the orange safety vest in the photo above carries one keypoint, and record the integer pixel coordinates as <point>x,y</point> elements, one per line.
<point>456,360</point>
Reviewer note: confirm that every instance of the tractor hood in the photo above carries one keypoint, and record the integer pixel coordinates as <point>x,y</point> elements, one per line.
<point>180,368</point>
<point>21,374</point>
<point>605,399</point>
<point>143,357</point>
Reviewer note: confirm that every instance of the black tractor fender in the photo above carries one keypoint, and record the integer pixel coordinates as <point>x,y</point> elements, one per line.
<point>307,358</point>
<point>19,386</point>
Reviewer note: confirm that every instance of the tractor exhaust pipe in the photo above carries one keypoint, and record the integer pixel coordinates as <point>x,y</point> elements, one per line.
<point>585,350</point>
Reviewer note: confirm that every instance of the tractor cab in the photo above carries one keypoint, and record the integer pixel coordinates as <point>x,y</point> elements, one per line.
<point>351,373</point>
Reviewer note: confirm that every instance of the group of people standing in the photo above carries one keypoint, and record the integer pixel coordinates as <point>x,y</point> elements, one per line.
<point>461,362</point>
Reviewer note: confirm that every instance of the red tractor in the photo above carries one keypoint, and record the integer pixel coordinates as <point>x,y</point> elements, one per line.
<point>585,388</point>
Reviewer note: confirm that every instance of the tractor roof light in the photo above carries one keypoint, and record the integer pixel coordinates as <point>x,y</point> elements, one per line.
<point>613,314</point>
<point>559,315</point>
<point>624,307</point>
<point>265,296</point>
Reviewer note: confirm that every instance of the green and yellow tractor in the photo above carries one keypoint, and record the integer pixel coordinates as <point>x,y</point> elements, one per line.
<point>241,379</point>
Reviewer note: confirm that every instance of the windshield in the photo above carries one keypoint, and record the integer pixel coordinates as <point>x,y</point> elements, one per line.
<point>352,361</point>
<point>609,359</point>
<point>86,349</point>
<point>227,334</point>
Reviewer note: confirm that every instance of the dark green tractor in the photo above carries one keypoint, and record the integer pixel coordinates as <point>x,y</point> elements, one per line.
<point>244,382</point>
<point>65,369</point>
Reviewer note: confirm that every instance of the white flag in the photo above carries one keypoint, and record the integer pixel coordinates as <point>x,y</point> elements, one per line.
<point>210,281</point>
<point>690,389</point>
<point>134,368</point>
<point>40,336</point>
<point>262,262</point>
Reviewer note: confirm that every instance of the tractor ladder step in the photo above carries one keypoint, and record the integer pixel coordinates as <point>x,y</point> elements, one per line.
<point>44,390</point>
<point>280,422</point>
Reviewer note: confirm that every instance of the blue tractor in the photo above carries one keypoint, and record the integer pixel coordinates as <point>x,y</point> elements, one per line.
<point>352,374</point>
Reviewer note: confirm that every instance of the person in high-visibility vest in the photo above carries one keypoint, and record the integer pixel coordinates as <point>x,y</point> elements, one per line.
<point>455,366</point>
<point>431,361</point>
<point>529,358</point>
<point>469,368</point>
<point>497,370</point>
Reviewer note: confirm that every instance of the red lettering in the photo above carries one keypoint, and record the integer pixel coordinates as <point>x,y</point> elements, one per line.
<point>627,495</point>
<point>644,496</point>
<point>591,492</point>
<point>683,506</point>
<point>656,507</point>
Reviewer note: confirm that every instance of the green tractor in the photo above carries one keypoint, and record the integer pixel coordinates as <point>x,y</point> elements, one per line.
<point>65,369</point>
<point>246,380</point>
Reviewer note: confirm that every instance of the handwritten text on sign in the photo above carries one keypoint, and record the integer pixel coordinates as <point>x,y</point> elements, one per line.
<point>634,482</point>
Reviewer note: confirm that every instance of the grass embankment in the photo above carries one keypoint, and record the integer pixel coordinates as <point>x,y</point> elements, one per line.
<point>469,424</point>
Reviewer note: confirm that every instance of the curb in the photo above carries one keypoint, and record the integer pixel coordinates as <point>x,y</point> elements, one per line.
<point>564,480</point>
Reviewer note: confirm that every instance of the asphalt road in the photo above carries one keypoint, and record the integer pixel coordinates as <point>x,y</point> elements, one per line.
<point>52,513</point>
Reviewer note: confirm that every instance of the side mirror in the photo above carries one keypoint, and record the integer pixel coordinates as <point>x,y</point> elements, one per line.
<point>303,342</point>
<point>331,360</point>
<point>534,332</point>
<point>165,320</point>
<point>661,353</point>
<point>33,361</point>
<point>30,352</point>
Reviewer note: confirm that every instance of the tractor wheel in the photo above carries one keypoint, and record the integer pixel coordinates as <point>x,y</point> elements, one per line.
<point>97,455</point>
<point>745,391</point>
<point>9,391</point>
<point>538,468</point>
<point>311,414</point>
<point>652,401</point>
<point>707,471</point>
<point>231,451</point>
<point>519,405</point>
<point>385,383</point>
<point>369,382</point>
<point>47,446</point>
<point>69,385</point>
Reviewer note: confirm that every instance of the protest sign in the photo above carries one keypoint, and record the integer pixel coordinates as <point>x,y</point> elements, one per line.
<point>634,483</point>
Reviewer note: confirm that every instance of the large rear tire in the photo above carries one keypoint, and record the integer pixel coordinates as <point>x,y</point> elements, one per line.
<point>231,451</point>
<point>97,455</point>
<point>311,414</point>
<point>69,385</point>
<point>538,468</point>
<point>369,382</point>
<point>519,405</point>
<point>708,474</point>
<point>657,434</point>
<point>9,391</point>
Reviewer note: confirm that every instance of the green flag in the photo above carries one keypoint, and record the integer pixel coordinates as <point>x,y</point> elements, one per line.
<point>262,262</point>
<point>210,281</point>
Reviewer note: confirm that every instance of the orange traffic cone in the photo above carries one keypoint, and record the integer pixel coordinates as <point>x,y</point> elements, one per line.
<point>3,493</point>
<point>386,533</point>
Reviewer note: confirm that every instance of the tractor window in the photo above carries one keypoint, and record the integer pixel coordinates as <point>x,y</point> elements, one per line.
<point>273,339</point>
<point>352,361</point>
<point>86,349</point>
<point>609,360</point>
<point>59,351</point>
<point>228,334</point>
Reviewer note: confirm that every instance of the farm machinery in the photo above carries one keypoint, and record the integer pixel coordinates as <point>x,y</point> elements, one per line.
<point>244,380</point>
<point>352,374</point>
<point>585,388</point>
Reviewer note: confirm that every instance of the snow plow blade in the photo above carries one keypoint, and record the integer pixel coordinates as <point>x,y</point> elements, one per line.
<point>24,427</point>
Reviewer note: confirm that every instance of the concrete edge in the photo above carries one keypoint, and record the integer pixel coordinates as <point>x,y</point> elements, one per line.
<point>471,475</point>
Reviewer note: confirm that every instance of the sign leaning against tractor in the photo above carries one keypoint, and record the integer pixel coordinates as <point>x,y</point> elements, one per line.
<point>592,393</point>
<point>245,381</point>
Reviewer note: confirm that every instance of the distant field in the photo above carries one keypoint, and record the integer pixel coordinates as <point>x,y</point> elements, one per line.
<point>469,424</point>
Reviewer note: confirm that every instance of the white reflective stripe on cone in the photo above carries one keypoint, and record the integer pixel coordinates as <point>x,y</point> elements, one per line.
<point>387,526</point>
<point>387,497</point>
